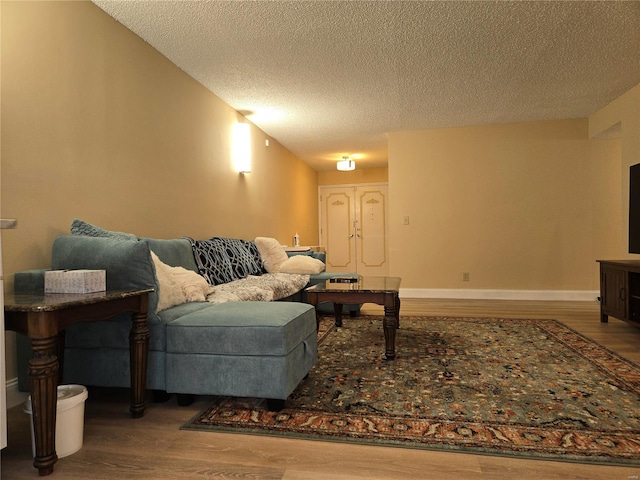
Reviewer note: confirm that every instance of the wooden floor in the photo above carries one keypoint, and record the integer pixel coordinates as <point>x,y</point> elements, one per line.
<point>153,447</point>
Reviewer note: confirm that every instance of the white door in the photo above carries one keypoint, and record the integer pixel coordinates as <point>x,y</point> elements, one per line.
<point>354,228</point>
<point>337,230</point>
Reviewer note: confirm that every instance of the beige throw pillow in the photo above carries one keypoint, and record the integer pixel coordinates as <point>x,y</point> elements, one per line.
<point>177,285</point>
<point>271,253</point>
<point>302,265</point>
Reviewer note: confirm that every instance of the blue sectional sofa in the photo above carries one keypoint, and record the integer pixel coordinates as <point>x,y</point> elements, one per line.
<point>257,349</point>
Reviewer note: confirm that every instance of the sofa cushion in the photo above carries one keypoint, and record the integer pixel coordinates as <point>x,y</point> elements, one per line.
<point>176,252</point>
<point>127,263</point>
<point>242,328</point>
<point>111,334</point>
<point>29,281</point>
<point>271,252</point>
<point>170,314</point>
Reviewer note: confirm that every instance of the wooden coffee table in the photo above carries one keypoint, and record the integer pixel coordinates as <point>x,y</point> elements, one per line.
<point>379,290</point>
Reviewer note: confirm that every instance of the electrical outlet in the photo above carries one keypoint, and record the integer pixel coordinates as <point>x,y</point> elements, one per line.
<point>465,276</point>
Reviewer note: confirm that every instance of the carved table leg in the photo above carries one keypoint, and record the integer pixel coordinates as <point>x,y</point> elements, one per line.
<point>337,310</point>
<point>43,382</point>
<point>389,325</point>
<point>139,350</point>
<point>60,354</point>
<point>313,300</point>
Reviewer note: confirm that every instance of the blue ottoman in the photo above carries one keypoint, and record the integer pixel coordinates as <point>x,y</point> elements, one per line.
<point>241,349</point>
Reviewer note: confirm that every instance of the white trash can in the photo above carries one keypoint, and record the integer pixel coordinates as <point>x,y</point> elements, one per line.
<point>69,419</point>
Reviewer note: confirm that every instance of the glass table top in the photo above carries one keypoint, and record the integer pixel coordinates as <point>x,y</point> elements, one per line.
<point>360,284</point>
<point>41,302</point>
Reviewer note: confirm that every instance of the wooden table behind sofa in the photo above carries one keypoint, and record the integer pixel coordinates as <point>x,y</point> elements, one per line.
<point>44,318</point>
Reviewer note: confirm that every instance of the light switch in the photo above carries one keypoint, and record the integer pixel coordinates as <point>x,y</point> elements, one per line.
<point>405,220</point>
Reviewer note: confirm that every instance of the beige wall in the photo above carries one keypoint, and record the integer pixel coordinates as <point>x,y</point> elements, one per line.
<point>622,116</point>
<point>518,206</point>
<point>98,125</point>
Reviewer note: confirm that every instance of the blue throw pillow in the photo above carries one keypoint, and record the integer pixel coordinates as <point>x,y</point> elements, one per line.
<point>128,264</point>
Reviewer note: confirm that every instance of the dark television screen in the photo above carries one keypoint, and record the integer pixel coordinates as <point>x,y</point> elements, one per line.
<point>634,209</point>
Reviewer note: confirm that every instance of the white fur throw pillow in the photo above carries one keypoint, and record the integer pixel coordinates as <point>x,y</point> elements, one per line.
<point>303,265</point>
<point>271,253</point>
<point>177,285</point>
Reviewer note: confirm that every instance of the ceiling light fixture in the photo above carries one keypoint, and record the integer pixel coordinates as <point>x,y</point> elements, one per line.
<point>346,164</point>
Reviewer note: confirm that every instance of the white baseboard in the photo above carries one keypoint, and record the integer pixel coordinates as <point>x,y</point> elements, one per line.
<point>485,294</point>
<point>14,396</point>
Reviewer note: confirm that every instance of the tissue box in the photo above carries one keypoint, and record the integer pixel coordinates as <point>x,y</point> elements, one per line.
<point>75,281</point>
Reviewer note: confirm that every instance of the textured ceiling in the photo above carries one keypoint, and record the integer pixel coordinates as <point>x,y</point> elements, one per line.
<point>329,78</point>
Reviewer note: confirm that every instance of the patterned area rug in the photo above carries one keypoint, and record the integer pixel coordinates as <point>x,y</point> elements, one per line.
<point>529,388</point>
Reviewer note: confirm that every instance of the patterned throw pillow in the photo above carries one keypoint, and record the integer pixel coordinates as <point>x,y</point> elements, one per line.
<point>80,227</point>
<point>223,260</point>
<point>211,262</point>
<point>243,256</point>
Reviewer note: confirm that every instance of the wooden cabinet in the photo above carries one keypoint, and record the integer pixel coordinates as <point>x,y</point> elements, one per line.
<point>620,290</point>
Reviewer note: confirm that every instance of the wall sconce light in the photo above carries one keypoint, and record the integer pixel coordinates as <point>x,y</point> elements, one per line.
<point>346,164</point>
<point>241,147</point>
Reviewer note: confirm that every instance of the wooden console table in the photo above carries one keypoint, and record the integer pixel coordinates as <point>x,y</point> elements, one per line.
<point>620,290</point>
<point>379,290</point>
<point>44,318</point>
